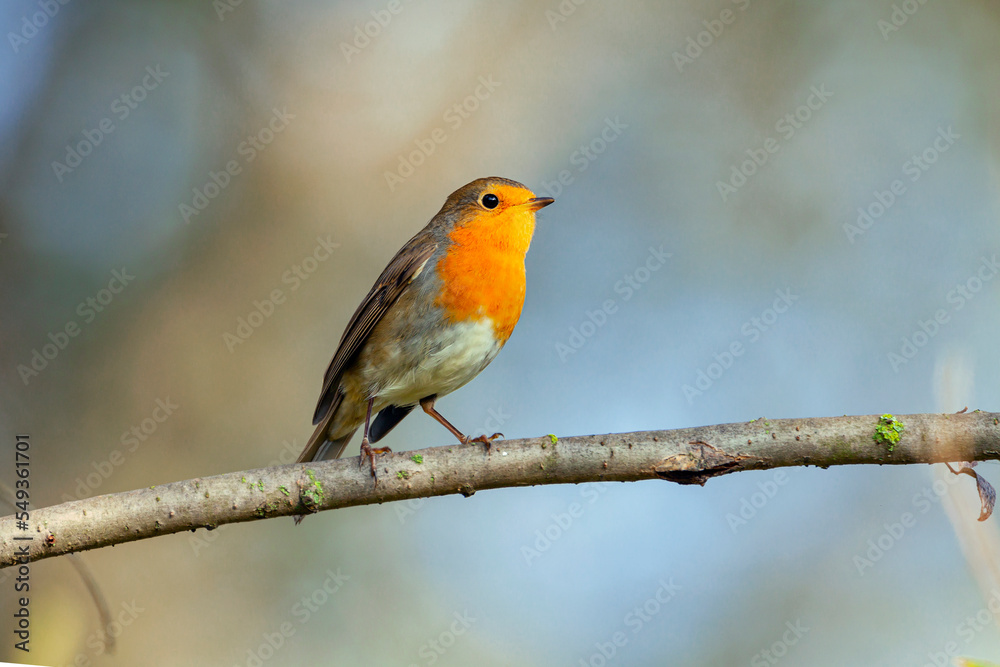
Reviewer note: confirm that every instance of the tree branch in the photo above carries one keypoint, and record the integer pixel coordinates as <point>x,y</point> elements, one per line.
<point>686,456</point>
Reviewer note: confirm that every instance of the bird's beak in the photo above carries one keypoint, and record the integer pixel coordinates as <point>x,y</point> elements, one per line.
<point>538,202</point>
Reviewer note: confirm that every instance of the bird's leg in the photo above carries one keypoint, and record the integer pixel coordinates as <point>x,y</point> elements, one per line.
<point>427,404</point>
<point>366,449</point>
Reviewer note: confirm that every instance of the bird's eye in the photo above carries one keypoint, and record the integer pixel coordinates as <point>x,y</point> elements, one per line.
<point>490,201</point>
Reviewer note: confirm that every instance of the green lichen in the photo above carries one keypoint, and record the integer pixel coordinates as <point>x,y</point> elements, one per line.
<point>283,490</point>
<point>417,458</point>
<point>887,431</point>
<point>403,474</point>
<point>260,484</point>
<point>969,662</point>
<point>265,509</point>
<point>553,439</point>
<point>313,494</point>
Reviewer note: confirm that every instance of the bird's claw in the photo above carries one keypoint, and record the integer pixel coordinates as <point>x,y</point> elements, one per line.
<point>488,441</point>
<point>367,451</point>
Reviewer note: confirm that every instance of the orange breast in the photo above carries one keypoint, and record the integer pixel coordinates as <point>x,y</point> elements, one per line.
<point>483,271</point>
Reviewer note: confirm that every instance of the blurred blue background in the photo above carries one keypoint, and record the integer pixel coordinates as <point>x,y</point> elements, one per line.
<point>837,162</point>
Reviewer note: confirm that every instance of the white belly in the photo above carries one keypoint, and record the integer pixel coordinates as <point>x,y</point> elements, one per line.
<point>456,356</point>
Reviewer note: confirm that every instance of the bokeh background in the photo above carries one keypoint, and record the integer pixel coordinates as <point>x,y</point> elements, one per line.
<point>633,115</point>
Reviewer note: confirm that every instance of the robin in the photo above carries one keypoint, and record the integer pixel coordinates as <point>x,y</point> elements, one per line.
<point>436,317</point>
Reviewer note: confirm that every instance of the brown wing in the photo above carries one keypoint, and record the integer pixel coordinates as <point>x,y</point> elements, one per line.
<point>401,270</point>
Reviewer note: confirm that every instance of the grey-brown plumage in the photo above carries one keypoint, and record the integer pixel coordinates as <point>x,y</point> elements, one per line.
<point>402,346</point>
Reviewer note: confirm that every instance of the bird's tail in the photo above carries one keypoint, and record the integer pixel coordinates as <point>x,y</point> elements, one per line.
<point>320,447</point>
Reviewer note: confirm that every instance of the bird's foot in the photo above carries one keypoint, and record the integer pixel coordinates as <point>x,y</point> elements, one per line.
<point>488,441</point>
<point>367,451</point>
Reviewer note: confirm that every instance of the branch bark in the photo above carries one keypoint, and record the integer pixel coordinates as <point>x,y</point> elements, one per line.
<point>685,456</point>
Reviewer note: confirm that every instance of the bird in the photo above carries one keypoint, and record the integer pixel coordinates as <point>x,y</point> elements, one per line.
<point>436,317</point>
